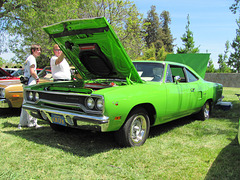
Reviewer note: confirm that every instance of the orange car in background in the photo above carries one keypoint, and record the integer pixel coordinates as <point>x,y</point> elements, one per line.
<point>11,90</point>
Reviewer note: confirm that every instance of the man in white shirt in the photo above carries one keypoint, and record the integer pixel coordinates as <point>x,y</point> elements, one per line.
<point>59,66</point>
<point>30,72</point>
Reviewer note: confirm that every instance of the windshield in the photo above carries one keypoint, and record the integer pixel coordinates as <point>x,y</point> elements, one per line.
<point>149,71</point>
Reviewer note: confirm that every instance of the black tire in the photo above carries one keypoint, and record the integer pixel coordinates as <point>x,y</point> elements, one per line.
<point>57,127</point>
<point>135,131</point>
<point>205,112</point>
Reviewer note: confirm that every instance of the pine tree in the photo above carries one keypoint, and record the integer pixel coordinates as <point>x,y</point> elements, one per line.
<point>188,41</point>
<point>210,67</point>
<point>153,29</point>
<point>234,59</point>
<point>223,68</point>
<point>166,35</point>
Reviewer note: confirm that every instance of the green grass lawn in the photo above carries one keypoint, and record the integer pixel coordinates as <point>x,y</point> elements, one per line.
<point>183,149</point>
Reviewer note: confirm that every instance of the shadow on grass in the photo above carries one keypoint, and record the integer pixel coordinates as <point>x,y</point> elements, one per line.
<point>227,163</point>
<point>10,112</point>
<point>82,142</point>
<point>78,142</point>
<point>163,128</point>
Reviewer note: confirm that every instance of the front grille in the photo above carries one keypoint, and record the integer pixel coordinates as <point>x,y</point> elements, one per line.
<point>65,107</point>
<point>64,98</point>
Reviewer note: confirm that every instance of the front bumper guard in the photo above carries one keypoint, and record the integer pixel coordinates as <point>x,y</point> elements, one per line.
<point>72,119</point>
<point>4,103</point>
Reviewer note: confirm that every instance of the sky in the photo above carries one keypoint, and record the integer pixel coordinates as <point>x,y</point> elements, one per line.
<point>211,22</point>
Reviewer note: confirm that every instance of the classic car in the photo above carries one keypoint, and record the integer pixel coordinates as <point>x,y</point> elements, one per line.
<point>20,72</point>
<point>11,91</point>
<point>4,75</point>
<point>115,94</point>
<point>10,70</point>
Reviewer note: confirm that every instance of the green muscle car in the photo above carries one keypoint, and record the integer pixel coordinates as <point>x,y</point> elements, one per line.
<point>113,93</point>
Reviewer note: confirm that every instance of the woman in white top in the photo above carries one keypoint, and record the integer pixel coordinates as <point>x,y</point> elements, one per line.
<point>59,66</point>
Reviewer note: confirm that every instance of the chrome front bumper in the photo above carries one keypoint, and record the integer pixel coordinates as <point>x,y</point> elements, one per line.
<point>72,118</point>
<point>4,103</point>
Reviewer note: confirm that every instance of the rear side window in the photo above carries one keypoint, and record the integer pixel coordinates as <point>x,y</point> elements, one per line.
<point>191,76</point>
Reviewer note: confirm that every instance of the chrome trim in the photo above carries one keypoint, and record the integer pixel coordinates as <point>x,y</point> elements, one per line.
<point>82,106</point>
<point>70,105</point>
<point>4,103</point>
<point>15,91</point>
<point>101,121</point>
<point>60,93</point>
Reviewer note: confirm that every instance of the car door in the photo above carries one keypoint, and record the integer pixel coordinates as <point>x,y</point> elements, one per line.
<point>173,93</point>
<point>178,93</point>
<point>196,95</point>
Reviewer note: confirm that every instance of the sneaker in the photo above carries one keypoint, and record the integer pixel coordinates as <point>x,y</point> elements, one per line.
<point>31,125</point>
<point>19,126</point>
<point>38,126</point>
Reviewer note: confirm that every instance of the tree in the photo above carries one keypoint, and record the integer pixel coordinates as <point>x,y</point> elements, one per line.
<point>153,29</point>
<point>188,41</point>
<point>122,15</point>
<point>166,36</point>
<point>25,26</point>
<point>149,53</point>
<point>234,59</point>
<point>235,6</point>
<point>2,61</point>
<point>210,67</point>
<point>222,58</point>
<point>125,19</point>
<point>162,54</point>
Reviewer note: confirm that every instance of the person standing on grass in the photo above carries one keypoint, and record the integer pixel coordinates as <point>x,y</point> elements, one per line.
<point>30,72</point>
<point>59,66</point>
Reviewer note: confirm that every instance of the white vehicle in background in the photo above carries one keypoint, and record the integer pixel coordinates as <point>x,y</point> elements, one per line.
<point>11,70</point>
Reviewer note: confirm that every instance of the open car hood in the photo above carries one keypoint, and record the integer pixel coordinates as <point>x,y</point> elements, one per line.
<point>93,48</point>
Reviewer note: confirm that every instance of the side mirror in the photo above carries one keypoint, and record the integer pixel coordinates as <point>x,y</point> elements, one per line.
<point>177,79</point>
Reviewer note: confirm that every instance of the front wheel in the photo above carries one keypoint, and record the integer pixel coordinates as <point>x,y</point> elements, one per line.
<point>204,114</point>
<point>136,129</point>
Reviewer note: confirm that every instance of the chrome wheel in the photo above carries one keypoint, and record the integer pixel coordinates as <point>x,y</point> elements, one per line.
<point>135,130</point>
<point>205,111</point>
<point>138,129</point>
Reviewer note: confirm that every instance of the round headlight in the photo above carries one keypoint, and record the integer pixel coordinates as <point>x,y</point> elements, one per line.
<point>100,104</point>
<point>90,103</point>
<point>36,96</point>
<point>30,96</point>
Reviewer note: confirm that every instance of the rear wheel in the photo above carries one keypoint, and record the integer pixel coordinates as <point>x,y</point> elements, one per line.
<point>136,129</point>
<point>205,112</point>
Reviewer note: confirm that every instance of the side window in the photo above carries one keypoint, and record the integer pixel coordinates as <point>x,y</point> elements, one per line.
<point>191,76</point>
<point>178,71</point>
<point>169,78</point>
